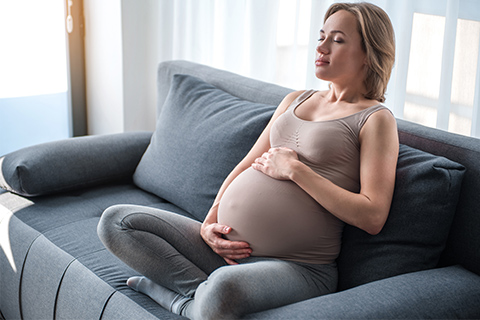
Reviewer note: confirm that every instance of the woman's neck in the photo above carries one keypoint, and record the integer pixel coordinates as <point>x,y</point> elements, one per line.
<point>349,94</point>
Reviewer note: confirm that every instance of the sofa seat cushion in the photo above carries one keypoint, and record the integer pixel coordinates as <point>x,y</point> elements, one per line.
<point>201,134</point>
<point>47,213</point>
<point>426,193</point>
<point>445,293</point>
<point>53,244</point>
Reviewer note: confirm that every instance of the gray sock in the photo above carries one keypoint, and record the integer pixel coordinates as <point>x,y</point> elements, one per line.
<point>168,299</point>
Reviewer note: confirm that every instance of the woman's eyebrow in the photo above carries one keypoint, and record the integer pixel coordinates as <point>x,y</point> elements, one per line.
<point>333,31</point>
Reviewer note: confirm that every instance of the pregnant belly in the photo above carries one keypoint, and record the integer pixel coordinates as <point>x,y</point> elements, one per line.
<point>277,218</point>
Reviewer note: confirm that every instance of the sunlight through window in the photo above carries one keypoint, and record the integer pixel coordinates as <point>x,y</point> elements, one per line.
<point>32,59</point>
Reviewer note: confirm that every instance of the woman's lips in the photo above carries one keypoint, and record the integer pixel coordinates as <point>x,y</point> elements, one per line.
<point>321,62</point>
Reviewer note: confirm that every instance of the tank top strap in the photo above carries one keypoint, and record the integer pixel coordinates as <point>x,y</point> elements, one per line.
<point>301,98</point>
<point>362,117</point>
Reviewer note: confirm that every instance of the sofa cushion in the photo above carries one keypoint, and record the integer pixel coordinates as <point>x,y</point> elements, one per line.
<point>426,193</point>
<point>201,134</point>
<point>444,293</point>
<point>71,164</point>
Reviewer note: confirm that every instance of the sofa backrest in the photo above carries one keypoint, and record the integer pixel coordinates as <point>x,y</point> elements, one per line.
<point>236,85</point>
<point>463,246</point>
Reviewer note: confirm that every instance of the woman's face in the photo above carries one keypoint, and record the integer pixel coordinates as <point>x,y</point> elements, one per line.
<point>339,55</point>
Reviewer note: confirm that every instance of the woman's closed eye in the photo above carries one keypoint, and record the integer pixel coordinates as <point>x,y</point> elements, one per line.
<point>334,40</point>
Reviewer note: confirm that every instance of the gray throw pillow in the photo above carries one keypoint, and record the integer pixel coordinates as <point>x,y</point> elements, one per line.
<point>426,193</point>
<point>201,134</point>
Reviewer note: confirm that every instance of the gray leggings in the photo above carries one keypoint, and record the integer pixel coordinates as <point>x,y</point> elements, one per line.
<point>167,248</point>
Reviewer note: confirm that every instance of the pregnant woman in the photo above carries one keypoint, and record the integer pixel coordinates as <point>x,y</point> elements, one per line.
<point>273,234</point>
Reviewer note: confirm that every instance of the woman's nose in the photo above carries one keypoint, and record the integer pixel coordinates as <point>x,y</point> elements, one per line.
<point>322,48</point>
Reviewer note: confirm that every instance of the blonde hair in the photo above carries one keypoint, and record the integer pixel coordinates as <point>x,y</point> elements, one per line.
<point>378,42</point>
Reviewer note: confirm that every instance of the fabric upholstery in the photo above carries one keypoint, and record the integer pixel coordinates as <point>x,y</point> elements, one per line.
<point>426,193</point>
<point>239,86</point>
<point>34,228</point>
<point>78,279</point>
<point>201,134</point>
<point>463,245</point>
<point>72,164</point>
<point>121,307</point>
<point>56,252</point>
<point>446,293</point>
<point>12,257</point>
<point>38,294</point>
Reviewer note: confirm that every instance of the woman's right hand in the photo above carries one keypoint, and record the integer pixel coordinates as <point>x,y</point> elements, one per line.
<point>212,234</point>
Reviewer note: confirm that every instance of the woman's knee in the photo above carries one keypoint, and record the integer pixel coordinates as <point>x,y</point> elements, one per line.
<point>219,297</point>
<point>110,224</point>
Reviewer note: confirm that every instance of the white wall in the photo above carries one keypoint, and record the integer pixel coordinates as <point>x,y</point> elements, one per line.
<point>140,59</point>
<point>103,66</point>
<point>120,65</point>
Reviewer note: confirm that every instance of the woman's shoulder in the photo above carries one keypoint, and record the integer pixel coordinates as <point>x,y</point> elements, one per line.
<point>289,98</point>
<point>378,117</point>
<point>297,96</point>
<point>376,114</point>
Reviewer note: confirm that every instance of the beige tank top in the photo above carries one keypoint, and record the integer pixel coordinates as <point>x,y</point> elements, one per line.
<point>276,217</point>
<point>331,148</point>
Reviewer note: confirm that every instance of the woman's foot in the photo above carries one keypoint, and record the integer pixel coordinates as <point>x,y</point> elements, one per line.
<point>172,301</point>
<point>134,282</point>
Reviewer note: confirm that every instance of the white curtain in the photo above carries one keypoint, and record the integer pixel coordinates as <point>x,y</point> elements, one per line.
<point>436,78</point>
<point>238,36</point>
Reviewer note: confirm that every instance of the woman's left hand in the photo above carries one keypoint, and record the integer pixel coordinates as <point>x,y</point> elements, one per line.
<point>276,163</point>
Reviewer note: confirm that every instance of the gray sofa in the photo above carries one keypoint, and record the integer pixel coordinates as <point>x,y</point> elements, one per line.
<point>424,264</point>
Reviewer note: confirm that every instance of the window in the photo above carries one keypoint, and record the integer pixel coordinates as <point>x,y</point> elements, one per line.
<point>436,78</point>
<point>442,73</point>
<point>34,93</point>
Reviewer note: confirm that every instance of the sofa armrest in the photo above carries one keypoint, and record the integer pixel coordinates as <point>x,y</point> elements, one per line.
<point>446,293</point>
<point>72,163</point>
